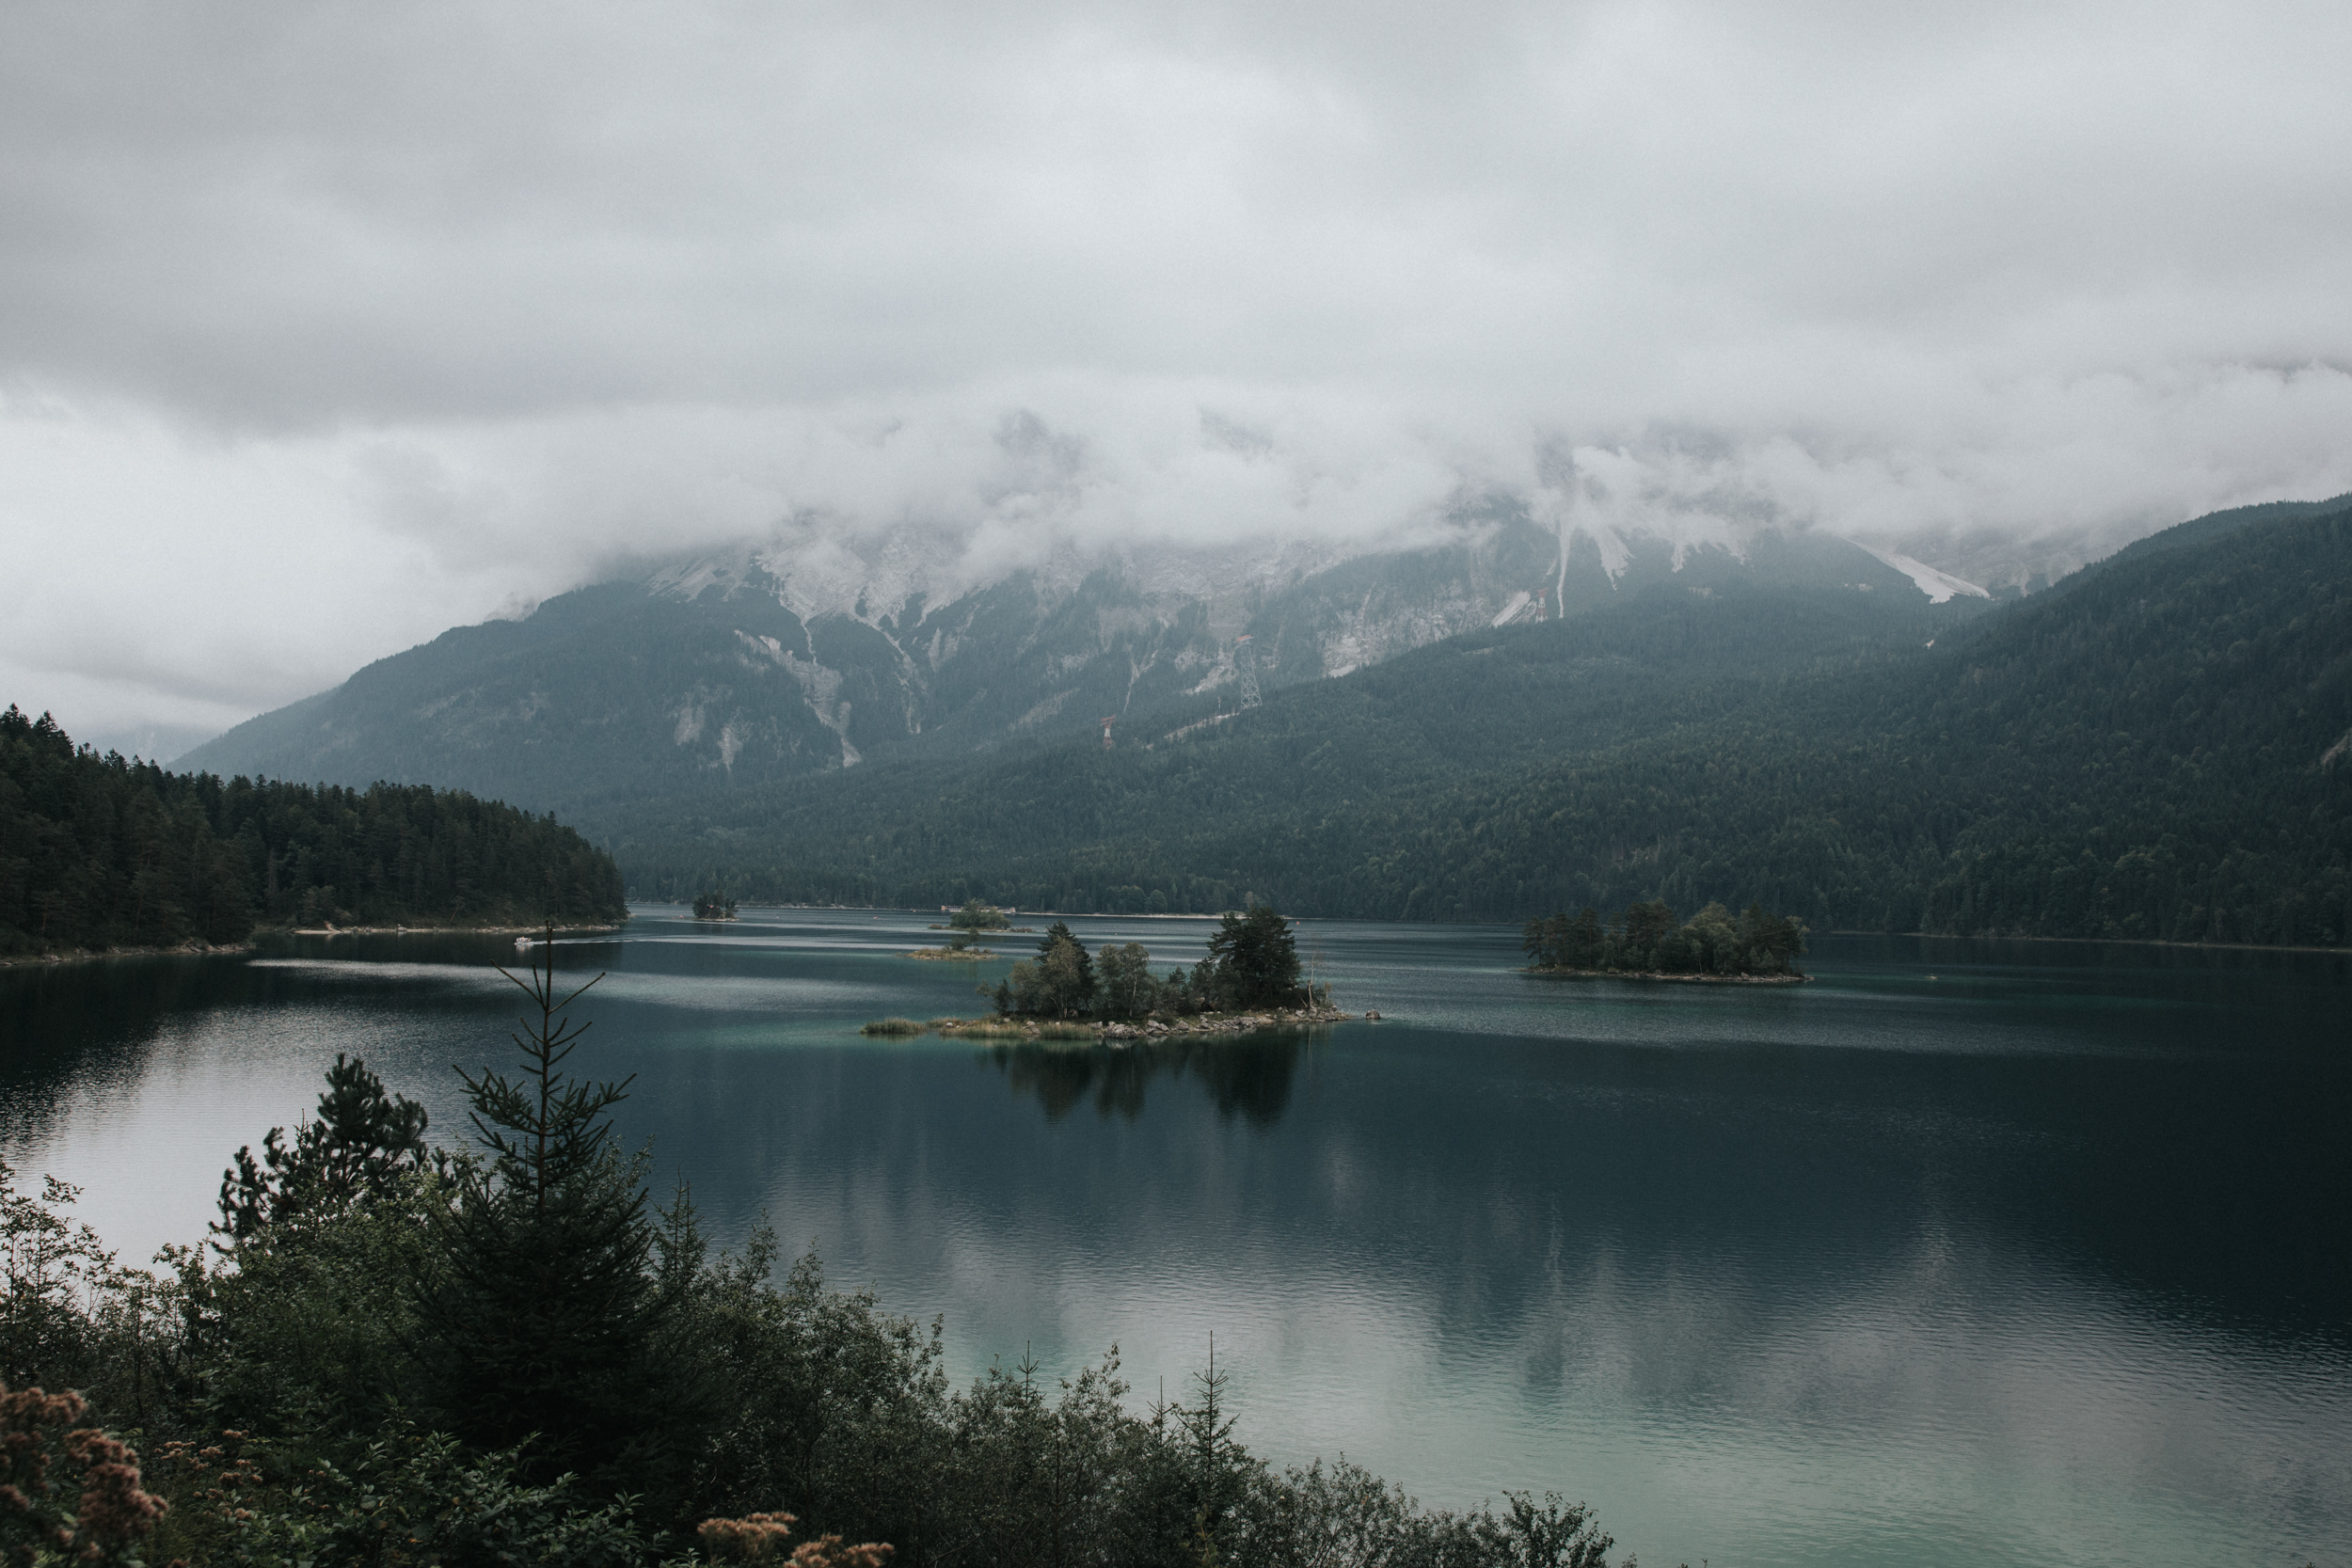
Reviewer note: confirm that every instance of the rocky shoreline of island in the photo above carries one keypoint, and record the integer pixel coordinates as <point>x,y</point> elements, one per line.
<point>1790,978</point>
<point>1115,1031</point>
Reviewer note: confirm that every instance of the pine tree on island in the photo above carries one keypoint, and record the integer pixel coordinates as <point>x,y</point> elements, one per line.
<point>1257,960</point>
<point>1252,962</point>
<point>977,917</point>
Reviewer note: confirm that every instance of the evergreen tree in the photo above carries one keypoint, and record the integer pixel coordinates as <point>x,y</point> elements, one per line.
<point>1060,931</point>
<point>1256,958</point>
<point>545,1311</point>
<point>362,1141</point>
<point>1580,940</point>
<point>1643,927</point>
<point>976,917</point>
<point>1060,981</point>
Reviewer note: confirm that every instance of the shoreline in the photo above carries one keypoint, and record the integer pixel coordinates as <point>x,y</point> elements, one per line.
<point>437,930</point>
<point>1660,977</point>
<point>1832,931</point>
<point>211,950</point>
<point>2106,941</point>
<point>94,955</point>
<point>1081,1032</point>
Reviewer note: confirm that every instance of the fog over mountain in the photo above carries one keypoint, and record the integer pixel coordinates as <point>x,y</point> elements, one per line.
<point>328,327</point>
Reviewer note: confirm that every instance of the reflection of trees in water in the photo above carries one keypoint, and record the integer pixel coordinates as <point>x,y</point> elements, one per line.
<point>1249,1074</point>
<point>97,1019</point>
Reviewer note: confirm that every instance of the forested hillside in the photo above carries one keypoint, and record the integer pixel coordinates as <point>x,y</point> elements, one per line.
<point>97,852</point>
<point>1664,657</point>
<point>2161,747</point>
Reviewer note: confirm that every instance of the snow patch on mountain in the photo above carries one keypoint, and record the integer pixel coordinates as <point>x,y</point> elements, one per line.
<point>1939,587</point>
<point>1615,555</point>
<point>1044,711</point>
<point>821,690</point>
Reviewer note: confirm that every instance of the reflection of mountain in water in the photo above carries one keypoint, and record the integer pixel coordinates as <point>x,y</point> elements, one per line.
<point>1245,1073</point>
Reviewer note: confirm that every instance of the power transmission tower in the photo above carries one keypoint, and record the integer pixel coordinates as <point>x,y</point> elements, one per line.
<point>1246,661</point>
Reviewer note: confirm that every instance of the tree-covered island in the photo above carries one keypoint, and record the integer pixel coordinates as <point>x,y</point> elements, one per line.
<point>1249,979</point>
<point>979,920</point>
<point>969,926</point>
<point>1645,942</point>
<point>1252,964</point>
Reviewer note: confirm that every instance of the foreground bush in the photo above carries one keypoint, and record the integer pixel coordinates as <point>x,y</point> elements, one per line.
<point>67,1493</point>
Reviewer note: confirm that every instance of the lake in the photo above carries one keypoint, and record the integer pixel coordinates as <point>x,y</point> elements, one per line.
<point>1968,1253</point>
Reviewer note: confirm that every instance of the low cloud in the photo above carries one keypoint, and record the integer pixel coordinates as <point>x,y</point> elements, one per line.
<point>328,327</point>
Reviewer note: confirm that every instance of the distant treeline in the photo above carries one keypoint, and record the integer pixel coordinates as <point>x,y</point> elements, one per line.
<point>2159,748</point>
<point>99,852</point>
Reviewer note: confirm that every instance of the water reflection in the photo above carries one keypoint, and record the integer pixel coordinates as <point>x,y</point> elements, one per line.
<point>1245,1075</point>
<point>93,1021</point>
<point>1969,1252</point>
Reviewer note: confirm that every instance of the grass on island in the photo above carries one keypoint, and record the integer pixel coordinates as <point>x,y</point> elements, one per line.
<point>893,1026</point>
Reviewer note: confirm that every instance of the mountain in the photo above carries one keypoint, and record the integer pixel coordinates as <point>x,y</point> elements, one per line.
<point>716,679</point>
<point>2161,747</point>
<point>157,743</point>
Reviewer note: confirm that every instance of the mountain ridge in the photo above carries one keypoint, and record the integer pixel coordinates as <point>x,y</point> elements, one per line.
<point>700,675</point>
<point>2159,752</point>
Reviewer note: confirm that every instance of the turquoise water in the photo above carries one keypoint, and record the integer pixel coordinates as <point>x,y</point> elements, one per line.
<point>1968,1253</point>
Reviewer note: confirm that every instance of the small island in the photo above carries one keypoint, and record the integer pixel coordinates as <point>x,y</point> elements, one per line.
<point>1712,947</point>
<point>1250,980</point>
<point>714,905</point>
<point>971,925</point>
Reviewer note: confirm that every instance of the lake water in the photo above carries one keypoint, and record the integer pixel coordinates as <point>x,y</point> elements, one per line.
<point>1966,1254</point>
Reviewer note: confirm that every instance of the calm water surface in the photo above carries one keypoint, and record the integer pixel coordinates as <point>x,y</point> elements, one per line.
<point>1967,1254</point>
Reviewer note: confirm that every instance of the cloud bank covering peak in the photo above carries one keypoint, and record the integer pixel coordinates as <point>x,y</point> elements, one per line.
<point>328,326</point>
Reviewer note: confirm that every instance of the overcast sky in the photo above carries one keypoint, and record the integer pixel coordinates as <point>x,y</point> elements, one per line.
<point>326,326</point>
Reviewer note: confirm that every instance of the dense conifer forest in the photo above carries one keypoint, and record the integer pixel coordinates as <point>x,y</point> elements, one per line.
<point>2158,747</point>
<point>103,852</point>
